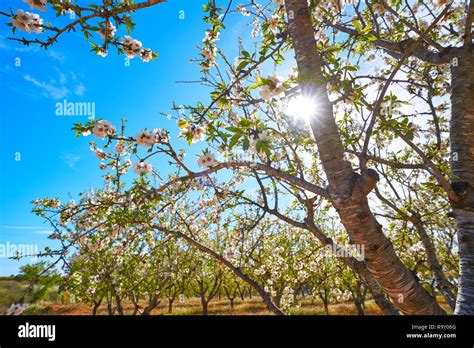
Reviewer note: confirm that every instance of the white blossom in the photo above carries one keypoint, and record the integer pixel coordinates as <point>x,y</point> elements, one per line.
<point>30,22</point>
<point>16,308</point>
<point>131,46</point>
<point>36,4</point>
<point>207,161</point>
<point>103,128</point>
<point>108,31</point>
<point>142,168</point>
<point>145,138</point>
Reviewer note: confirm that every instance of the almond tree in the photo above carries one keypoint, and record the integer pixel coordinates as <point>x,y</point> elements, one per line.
<point>416,40</point>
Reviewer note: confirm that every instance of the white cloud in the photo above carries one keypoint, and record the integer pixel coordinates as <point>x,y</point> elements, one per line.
<point>70,159</point>
<point>52,89</point>
<point>43,231</point>
<point>31,229</point>
<point>12,227</point>
<point>80,89</point>
<point>62,79</point>
<point>55,55</point>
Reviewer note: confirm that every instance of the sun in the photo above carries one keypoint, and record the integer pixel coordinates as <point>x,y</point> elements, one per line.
<point>302,107</point>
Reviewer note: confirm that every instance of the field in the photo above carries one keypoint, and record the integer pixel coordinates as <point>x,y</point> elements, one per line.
<point>54,305</point>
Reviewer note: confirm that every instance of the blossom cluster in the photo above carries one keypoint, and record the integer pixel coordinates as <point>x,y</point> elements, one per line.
<point>16,309</point>
<point>274,88</point>
<point>146,138</point>
<point>142,168</point>
<point>30,22</point>
<point>108,31</point>
<point>197,133</point>
<point>36,4</point>
<point>256,139</point>
<point>133,48</point>
<point>209,51</point>
<point>273,23</point>
<point>207,161</point>
<point>102,129</point>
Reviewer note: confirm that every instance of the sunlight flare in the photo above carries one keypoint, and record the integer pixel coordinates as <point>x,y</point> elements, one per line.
<point>302,107</point>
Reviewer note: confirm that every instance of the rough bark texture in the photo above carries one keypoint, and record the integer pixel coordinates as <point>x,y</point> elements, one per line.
<point>462,165</point>
<point>362,227</point>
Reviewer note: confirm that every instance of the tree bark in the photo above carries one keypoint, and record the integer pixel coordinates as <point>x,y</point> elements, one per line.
<point>346,191</point>
<point>96,307</point>
<point>170,304</point>
<point>462,166</point>
<point>119,305</point>
<point>204,304</point>
<point>358,306</point>
<point>358,298</point>
<point>324,297</point>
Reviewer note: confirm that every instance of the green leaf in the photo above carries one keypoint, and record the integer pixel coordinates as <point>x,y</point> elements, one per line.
<point>234,129</point>
<point>242,65</point>
<point>245,144</point>
<point>234,140</point>
<point>357,25</point>
<point>371,37</point>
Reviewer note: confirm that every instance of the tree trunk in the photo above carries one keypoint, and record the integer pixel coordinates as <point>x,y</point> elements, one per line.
<point>347,189</point>
<point>277,299</point>
<point>358,298</point>
<point>324,298</point>
<point>110,307</point>
<point>204,304</point>
<point>136,309</point>
<point>119,305</point>
<point>153,302</point>
<point>358,306</point>
<point>241,292</point>
<point>462,166</point>
<point>231,303</point>
<point>170,305</point>
<point>96,307</point>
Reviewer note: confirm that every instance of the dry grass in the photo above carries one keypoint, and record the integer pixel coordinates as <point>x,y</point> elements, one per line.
<point>254,306</point>
<point>9,289</point>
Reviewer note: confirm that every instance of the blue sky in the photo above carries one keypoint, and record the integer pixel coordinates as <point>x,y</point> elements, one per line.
<point>52,161</point>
